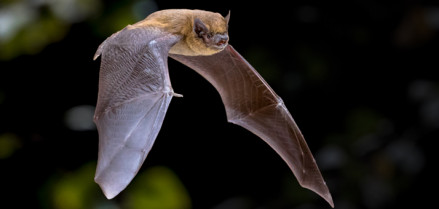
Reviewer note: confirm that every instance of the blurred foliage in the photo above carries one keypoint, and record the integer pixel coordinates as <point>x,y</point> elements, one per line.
<point>29,26</point>
<point>119,16</point>
<point>32,38</point>
<point>75,190</point>
<point>157,188</point>
<point>9,143</point>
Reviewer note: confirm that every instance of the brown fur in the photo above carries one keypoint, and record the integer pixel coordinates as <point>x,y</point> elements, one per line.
<point>180,22</point>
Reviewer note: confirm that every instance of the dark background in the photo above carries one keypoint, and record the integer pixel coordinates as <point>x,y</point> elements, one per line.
<point>359,77</point>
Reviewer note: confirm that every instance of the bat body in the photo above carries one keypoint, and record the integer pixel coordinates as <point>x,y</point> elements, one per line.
<point>135,92</point>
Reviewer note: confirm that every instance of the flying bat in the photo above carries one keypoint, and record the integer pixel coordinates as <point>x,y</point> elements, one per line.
<point>135,91</point>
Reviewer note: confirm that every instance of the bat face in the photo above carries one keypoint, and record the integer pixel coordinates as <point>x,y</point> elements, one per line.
<point>217,41</point>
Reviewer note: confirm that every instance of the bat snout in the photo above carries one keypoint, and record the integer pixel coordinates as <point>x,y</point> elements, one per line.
<point>221,40</point>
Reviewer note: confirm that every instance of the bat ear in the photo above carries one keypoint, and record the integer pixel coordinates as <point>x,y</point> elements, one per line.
<point>227,18</point>
<point>199,28</point>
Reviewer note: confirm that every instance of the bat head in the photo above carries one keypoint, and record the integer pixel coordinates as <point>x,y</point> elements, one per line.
<point>214,39</point>
<point>209,33</point>
<point>203,32</point>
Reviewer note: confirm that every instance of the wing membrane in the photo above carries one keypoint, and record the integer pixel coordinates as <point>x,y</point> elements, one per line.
<point>134,94</point>
<point>252,104</point>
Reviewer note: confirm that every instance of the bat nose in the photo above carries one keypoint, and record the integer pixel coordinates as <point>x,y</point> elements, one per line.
<point>221,39</point>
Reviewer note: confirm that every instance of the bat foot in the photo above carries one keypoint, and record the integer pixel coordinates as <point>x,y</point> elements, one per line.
<point>177,95</point>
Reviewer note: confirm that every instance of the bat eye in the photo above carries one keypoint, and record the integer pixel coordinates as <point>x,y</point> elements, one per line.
<point>201,34</point>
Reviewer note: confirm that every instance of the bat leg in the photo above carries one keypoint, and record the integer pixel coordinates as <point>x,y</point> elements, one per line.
<point>177,95</point>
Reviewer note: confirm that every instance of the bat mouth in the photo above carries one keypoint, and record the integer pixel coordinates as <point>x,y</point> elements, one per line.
<point>219,46</point>
<point>220,41</point>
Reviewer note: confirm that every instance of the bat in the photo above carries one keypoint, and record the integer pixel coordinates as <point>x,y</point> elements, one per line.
<point>135,92</point>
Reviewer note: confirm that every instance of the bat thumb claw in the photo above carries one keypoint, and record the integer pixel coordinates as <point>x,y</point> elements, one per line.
<point>177,95</point>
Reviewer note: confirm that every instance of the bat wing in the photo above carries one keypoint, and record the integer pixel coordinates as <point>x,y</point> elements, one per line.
<point>251,103</point>
<point>134,94</point>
